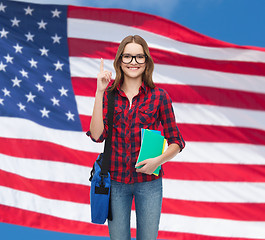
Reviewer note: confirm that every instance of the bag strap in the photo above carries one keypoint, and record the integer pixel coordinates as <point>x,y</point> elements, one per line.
<point>107,147</point>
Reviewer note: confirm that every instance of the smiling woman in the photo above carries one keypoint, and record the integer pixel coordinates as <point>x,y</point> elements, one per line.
<point>139,104</point>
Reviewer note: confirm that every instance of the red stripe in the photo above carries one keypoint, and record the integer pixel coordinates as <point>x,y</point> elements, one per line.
<point>47,222</point>
<point>209,133</point>
<point>215,96</point>
<point>214,172</point>
<point>147,22</point>
<point>42,221</point>
<point>48,189</point>
<point>219,134</point>
<point>81,194</point>
<point>24,148</point>
<point>189,94</point>
<point>84,86</point>
<point>107,50</point>
<point>232,211</point>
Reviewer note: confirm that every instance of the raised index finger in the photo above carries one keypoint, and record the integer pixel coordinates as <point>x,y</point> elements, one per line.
<point>101,65</point>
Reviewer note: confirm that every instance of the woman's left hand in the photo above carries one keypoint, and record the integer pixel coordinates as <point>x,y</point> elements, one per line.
<point>148,165</point>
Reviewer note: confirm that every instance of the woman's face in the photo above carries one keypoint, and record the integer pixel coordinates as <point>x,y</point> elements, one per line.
<point>133,69</point>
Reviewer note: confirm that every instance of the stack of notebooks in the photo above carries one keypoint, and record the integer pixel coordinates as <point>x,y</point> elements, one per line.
<point>152,145</point>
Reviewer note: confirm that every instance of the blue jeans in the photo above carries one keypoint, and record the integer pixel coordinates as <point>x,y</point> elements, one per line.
<point>148,202</point>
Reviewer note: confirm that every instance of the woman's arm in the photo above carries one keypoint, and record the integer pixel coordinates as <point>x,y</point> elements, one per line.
<point>97,124</point>
<point>151,164</point>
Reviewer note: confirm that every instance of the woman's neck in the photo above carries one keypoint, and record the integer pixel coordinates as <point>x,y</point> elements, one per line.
<point>131,85</point>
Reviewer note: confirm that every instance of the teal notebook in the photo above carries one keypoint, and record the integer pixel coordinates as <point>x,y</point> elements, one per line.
<point>152,145</point>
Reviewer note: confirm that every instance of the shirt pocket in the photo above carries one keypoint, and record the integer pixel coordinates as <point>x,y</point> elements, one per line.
<point>147,115</point>
<point>118,116</point>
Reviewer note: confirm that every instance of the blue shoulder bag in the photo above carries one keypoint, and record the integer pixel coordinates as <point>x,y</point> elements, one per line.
<point>100,177</point>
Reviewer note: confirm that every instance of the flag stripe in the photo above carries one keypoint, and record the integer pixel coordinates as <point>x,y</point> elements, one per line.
<point>108,50</point>
<point>146,23</point>
<point>215,172</point>
<point>208,133</point>
<point>30,149</point>
<point>71,139</point>
<point>184,189</point>
<point>88,68</point>
<point>167,220</point>
<point>232,211</point>
<point>238,153</point>
<point>204,171</point>
<point>80,194</point>
<point>201,114</point>
<point>47,189</point>
<point>48,222</point>
<point>63,225</point>
<point>189,94</point>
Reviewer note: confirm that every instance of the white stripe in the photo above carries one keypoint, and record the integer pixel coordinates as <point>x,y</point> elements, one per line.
<point>112,32</point>
<point>206,191</point>
<point>226,153</point>
<point>11,128</point>
<point>212,227</point>
<point>89,67</point>
<point>219,116</point>
<point>35,203</point>
<point>195,151</point>
<point>199,114</point>
<point>168,222</point>
<point>46,170</point>
<point>175,189</point>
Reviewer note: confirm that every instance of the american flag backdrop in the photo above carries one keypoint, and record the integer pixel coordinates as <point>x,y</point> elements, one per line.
<point>49,59</point>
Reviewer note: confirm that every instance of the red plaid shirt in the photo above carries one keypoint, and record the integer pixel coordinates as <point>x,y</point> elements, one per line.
<point>148,109</point>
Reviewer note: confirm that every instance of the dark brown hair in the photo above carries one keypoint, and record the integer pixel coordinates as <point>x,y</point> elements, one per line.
<point>147,75</point>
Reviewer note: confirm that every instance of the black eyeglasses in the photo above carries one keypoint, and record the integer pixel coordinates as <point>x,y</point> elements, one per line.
<point>139,58</point>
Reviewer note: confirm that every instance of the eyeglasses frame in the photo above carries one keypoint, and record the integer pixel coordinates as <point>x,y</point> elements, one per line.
<point>134,57</point>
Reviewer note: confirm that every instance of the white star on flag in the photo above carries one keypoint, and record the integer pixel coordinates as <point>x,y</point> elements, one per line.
<point>21,107</point>
<point>15,22</point>
<point>2,7</point>
<point>40,87</point>
<point>70,116</point>
<point>33,63</point>
<point>58,66</point>
<point>6,92</point>
<point>2,66</point>
<point>24,73</point>
<point>56,13</point>
<point>44,51</point>
<point>8,58</point>
<point>16,82</point>
<point>56,38</point>
<point>4,33</point>
<point>48,77</point>
<point>45,112</point>
<point>63,91</point>
<point>18,48</point>
<point>28,11</point>
<point>55,101</point>
<point>29,36</point>
<point>30,97</point>
<point>42,24</point>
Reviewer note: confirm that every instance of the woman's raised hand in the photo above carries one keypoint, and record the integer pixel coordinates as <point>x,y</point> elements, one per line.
<point>103,77</point>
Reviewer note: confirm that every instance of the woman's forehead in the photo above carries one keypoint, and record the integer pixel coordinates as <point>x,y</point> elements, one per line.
<point>133,48</point>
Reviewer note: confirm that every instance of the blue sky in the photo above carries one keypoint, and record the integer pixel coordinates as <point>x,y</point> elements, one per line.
<point>240,22</point>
